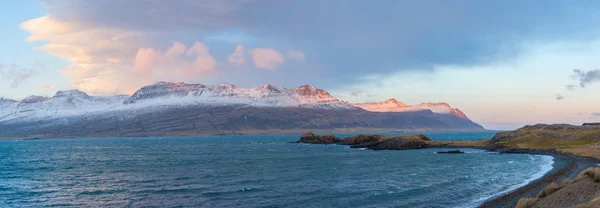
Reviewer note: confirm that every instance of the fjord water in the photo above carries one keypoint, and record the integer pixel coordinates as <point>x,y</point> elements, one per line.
<point>252,171</point>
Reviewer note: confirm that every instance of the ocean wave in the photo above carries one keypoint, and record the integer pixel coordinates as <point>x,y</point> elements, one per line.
<point>545,166</point>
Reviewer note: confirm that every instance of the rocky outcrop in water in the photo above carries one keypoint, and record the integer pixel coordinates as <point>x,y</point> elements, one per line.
<point>451,152</point>
<point>314,139</point>
<point>374,142</point>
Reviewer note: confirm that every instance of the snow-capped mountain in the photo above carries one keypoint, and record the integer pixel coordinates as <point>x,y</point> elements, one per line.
<point>6,101</point>
<point>165,95</point>
<point>167,108</point>
<point>62,104</point>
<point>168,93</point>
<point>392,105</point>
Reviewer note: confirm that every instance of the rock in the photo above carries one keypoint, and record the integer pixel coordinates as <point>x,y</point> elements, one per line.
<point>361,139</point>
<point>504,136</point>
<point>313,139</point>
<point>395,144</point>
<point>374,142</point>
<point>451,152</point>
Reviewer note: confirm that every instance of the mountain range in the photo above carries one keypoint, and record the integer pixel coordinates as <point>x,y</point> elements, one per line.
<point>167,108</point>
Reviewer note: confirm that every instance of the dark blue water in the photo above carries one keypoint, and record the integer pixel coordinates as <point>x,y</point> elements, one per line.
<point>251,171</point>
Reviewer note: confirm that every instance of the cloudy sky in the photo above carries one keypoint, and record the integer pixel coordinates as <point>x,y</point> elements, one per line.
<point>505,63</point>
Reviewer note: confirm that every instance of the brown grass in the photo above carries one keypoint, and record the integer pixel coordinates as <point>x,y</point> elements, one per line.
<point>526,202</point>
<point>592,172</point>
<point>553,187</point>
<point>583,141</point>
<point>594,203</point>
<point>592,151</point>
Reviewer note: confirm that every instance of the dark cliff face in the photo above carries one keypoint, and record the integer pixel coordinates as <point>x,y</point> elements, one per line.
<point>203,120</point>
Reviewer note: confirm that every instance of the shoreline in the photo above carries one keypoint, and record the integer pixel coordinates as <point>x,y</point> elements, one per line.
<point>565,166</point>
<point>253,132</point>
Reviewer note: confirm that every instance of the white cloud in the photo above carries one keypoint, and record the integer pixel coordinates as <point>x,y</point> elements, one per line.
<point>266,58</point>
<point>297,55</point>
<point>107,60</point>
<point>237,57</point>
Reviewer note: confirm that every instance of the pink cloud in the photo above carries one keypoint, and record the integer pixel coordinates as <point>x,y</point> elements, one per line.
<point>266,58</point>
<point>197,61</point>
<point>144,61</point>
<point>177,49</point>
<point>204,63</point>
<point>237,57</point>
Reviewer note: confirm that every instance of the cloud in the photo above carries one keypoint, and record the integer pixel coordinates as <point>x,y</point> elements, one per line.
<point>100,56</point>
<point>48,86</point>
<point>297,55</point>
<point>596,114</point>
<point>355,93</point>
<point>111,60</point>
<point>195,61</point>
<point>585,78</point>
<point>16,74</point>
<point>102,47</point>
<point>571,87</point>
<point>559,97</point>
<point>266,58</point>
<point>237,57</point>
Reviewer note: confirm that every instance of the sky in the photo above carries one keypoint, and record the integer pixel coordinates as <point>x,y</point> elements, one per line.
<point>504,63</point>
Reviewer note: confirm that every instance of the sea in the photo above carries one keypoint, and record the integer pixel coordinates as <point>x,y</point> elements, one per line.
<point>254,171</point>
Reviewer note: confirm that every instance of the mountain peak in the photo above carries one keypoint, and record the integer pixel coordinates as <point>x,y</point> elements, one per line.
<point>395,102</point>
<point>3,99</point>
<point>71,93</point>
<point>34,99</point>
<point>391,100</point>
<point>271,88</point>
<point>310,91</point>
<point>307,87</point>
<point>226,86</point>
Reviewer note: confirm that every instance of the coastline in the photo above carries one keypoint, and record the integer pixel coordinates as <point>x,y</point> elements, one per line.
<point>565,166</point>
<point>252,132</point>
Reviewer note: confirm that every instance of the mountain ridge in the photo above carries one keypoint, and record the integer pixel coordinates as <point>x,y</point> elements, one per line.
<point>223,108</point>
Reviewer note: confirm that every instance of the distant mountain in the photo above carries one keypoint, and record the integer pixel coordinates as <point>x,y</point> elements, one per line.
<point>165,93</point>
<point>167,108</point>
<point>392,105</point>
